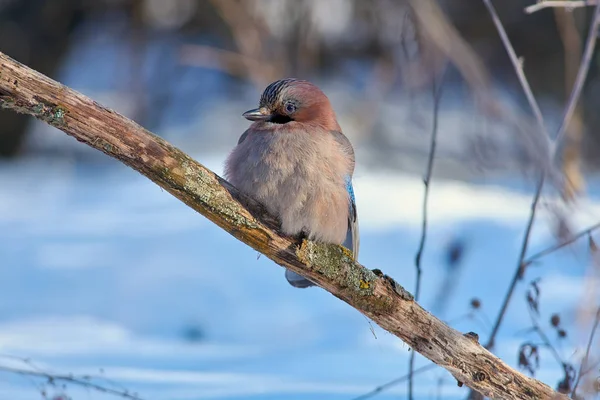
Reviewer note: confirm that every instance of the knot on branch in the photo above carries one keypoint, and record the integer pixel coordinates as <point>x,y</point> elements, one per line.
<point>473,336</point>
<point>399,289</point>
<point>396,287</point>
<point>479,376</point>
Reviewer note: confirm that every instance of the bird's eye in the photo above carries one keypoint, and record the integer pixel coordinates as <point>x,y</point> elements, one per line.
<point>290,108</point>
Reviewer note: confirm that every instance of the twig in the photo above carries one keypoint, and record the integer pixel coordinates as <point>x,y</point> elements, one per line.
<point>538,191</point>
<point>437,95</point>
<point>564,386</point>
<point>71,379</point>
<point>545,340</point>
<point>587,353</point>
<point>562,244</point>
<point>517,65</point>
<point>520,266</point>
<point>562,4</point>
<point>374,294</point>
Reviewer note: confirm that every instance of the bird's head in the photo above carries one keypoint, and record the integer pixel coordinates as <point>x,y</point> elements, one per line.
<point>292,100</point>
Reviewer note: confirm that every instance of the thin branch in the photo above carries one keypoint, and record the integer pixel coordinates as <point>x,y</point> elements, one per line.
<point>545,340</point>
<point>587,353</point>
<point>437,95</point>
<point>71,379</point>
<point>562,244</point>
<point>517,65</point>
<point>538,191</point>
<point>520,265</point>
<point>331,267</point>
<point>569,5</point>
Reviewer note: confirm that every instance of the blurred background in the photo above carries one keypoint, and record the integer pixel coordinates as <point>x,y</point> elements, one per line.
<point>106,277</point>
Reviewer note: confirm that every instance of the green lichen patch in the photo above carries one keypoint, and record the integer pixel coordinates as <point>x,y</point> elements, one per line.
<point>358,283</point>
<point>336,263</point>
<point>50,113</point>
<point>205,187</point>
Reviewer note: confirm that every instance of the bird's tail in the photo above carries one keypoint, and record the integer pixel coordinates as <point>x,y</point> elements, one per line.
<point>296,280</point>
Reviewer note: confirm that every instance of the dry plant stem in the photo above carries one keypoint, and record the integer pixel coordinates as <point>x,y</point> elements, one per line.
<point>73,380</point>
<point>332,267</point>
<point>587,353</point>
<point>516,65</point>
<point>437,95</point>
<point>560,245</point>
<point>536,198</point>
<point>545,340</point>
<point>520,266</point>
<point>562,4</point>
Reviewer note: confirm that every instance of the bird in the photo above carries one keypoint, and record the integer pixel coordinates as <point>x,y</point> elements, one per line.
<point>295,161</point>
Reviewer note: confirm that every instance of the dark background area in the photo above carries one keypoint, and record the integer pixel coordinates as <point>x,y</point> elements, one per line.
<point>167,44</point>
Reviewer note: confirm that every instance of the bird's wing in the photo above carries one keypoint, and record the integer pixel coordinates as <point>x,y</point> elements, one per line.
<point>346,147</point>
<point>243,137</point>
<point>352,241</point>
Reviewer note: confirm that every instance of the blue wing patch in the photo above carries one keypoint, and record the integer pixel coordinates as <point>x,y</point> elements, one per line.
<point>350,190</point>
<point>352,241</point>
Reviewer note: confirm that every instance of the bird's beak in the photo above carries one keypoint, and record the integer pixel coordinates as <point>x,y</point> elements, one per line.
<point>258,114</point>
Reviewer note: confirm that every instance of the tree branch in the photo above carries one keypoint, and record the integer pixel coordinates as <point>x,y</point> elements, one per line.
<point>569,5</point>
<point>332,267</point>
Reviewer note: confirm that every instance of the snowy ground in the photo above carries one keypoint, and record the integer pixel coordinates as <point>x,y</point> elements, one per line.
<point>103,273</point>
